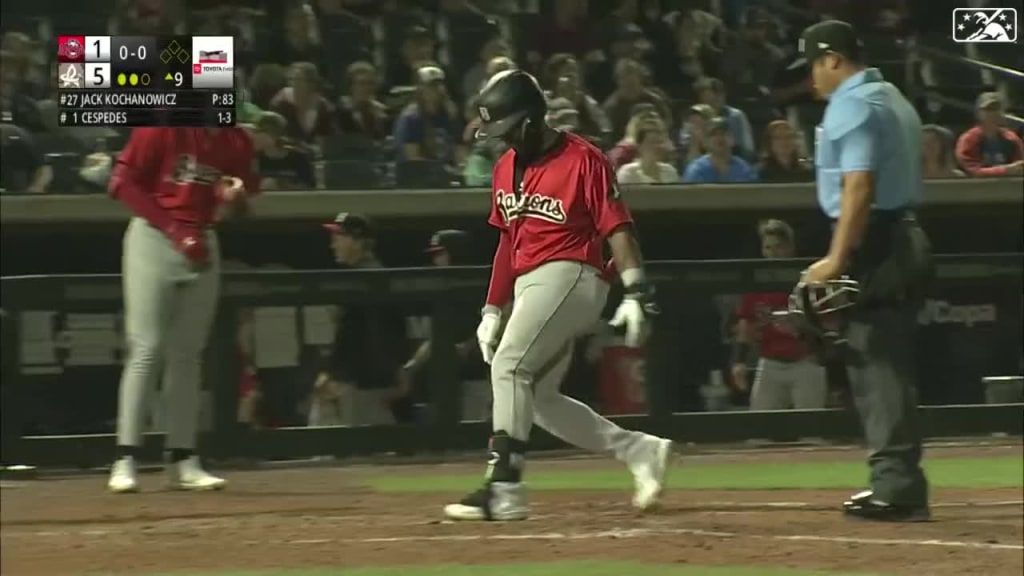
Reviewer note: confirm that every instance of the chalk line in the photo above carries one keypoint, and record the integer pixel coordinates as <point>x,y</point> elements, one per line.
<point>648,532</point>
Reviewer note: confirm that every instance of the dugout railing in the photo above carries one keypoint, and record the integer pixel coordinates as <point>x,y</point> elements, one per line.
<point>972,329</point>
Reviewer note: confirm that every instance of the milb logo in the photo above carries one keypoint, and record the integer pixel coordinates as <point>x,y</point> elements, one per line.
<point>971,25</point>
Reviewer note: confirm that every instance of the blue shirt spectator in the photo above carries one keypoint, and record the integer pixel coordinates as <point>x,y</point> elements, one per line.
<point>428,129</point>
<point>711,91</point>
<point>719,165</point>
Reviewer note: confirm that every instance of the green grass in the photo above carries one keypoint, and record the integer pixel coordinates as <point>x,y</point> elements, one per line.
<point>942,473</point>
<point>550,569</point>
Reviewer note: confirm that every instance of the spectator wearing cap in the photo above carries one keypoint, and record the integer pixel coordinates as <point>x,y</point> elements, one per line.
<point>780,159</point>
<point>309,115</point>
<point>631,81</point>
<point>359,111</point>
<point>990,148</point>
<point>653,145</point>
<point>562,79</point>
<point>281,166</point>
<point>625,150</point>
<point>449,248</point>
<point>21,163</point>
<point>692,134</point>
<point>359,373</point>
<point>720,165</point>
<point>428,128</point>
<point>937,153</point>
<point>711,91</point>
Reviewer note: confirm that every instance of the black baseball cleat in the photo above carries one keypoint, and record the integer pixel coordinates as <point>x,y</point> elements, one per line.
<point>864,506</point>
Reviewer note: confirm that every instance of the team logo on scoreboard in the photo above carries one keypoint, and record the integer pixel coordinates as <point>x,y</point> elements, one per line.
<point>70,48</point>
<point>213,62</point>
<point>213,57</point>
<point>70,75</point>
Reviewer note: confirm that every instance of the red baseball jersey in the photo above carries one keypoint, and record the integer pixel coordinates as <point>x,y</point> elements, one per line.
<point>184,165</point>
<point>566,206</point>
<point>777,339</point>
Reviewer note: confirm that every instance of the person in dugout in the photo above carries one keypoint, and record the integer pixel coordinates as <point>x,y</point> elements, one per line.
<point>447,248</point>
<point>788,376</point>
<point>360,371</point>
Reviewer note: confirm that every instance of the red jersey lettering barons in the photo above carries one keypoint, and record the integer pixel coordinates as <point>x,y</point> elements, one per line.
<point>554,205</point>
<point>566,209</point>
<point>177,182</point>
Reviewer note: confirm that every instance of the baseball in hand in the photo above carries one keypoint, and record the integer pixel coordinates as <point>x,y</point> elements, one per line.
<point>231,197</point>
<point>230,189</point>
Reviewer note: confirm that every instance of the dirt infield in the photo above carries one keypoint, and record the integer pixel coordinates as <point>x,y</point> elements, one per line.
<point>317,517</point>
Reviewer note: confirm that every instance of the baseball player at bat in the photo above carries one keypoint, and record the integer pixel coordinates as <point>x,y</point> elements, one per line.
<point>554,203</point>
<point>177,182</point>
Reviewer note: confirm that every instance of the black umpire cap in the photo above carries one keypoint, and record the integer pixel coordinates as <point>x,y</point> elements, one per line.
<point>506,99</point>
<point>354,225</point>
<point>833,36</point>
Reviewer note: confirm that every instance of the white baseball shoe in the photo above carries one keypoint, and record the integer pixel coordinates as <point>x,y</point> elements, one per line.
<point>649,471</point>
<point>188,474</point>
<point>496,501</point>
<point>123,476</point>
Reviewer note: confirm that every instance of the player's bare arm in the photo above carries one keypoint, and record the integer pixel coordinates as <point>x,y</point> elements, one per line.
<point>625,250</point>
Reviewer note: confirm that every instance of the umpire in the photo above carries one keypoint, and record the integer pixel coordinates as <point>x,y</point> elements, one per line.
<point>868,156</point>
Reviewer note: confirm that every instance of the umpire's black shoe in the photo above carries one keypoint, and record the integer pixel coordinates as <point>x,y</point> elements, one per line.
<point>864,506</point>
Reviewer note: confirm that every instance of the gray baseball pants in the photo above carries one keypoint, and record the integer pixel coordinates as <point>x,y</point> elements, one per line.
<point>553,305</point>
<point>169,306</point>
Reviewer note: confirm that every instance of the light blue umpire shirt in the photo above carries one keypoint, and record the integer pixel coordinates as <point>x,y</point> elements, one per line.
<point>869,127</point>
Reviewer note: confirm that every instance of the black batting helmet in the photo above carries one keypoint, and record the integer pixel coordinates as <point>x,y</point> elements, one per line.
<point>506,99</point>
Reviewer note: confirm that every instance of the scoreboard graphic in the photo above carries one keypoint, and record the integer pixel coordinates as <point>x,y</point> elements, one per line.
<point>145,81</point>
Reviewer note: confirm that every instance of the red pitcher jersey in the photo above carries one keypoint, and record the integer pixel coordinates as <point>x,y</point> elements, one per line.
<point>777,338</point>
<point>184,165</point>
<point>567,204</point>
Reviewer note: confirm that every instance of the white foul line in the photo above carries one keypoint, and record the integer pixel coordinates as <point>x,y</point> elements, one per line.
<point>647,532</point>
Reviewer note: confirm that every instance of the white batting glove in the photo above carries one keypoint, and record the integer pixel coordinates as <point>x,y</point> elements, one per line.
<point>637,306</point>
<point>487,332</point>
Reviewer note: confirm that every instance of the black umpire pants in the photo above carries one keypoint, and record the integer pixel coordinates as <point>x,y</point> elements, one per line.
<point>893,266</point>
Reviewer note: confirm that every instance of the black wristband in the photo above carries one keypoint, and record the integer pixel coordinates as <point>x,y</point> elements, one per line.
<point>644,294</point>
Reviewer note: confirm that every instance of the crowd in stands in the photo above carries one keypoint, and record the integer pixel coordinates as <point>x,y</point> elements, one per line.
<point>379,93</point>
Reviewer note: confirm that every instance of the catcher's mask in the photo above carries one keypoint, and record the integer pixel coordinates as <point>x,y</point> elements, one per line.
<point>823,308</point>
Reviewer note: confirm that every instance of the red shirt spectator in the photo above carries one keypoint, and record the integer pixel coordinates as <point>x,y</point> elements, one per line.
<point>990,149</point>
<point>776,338</point>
